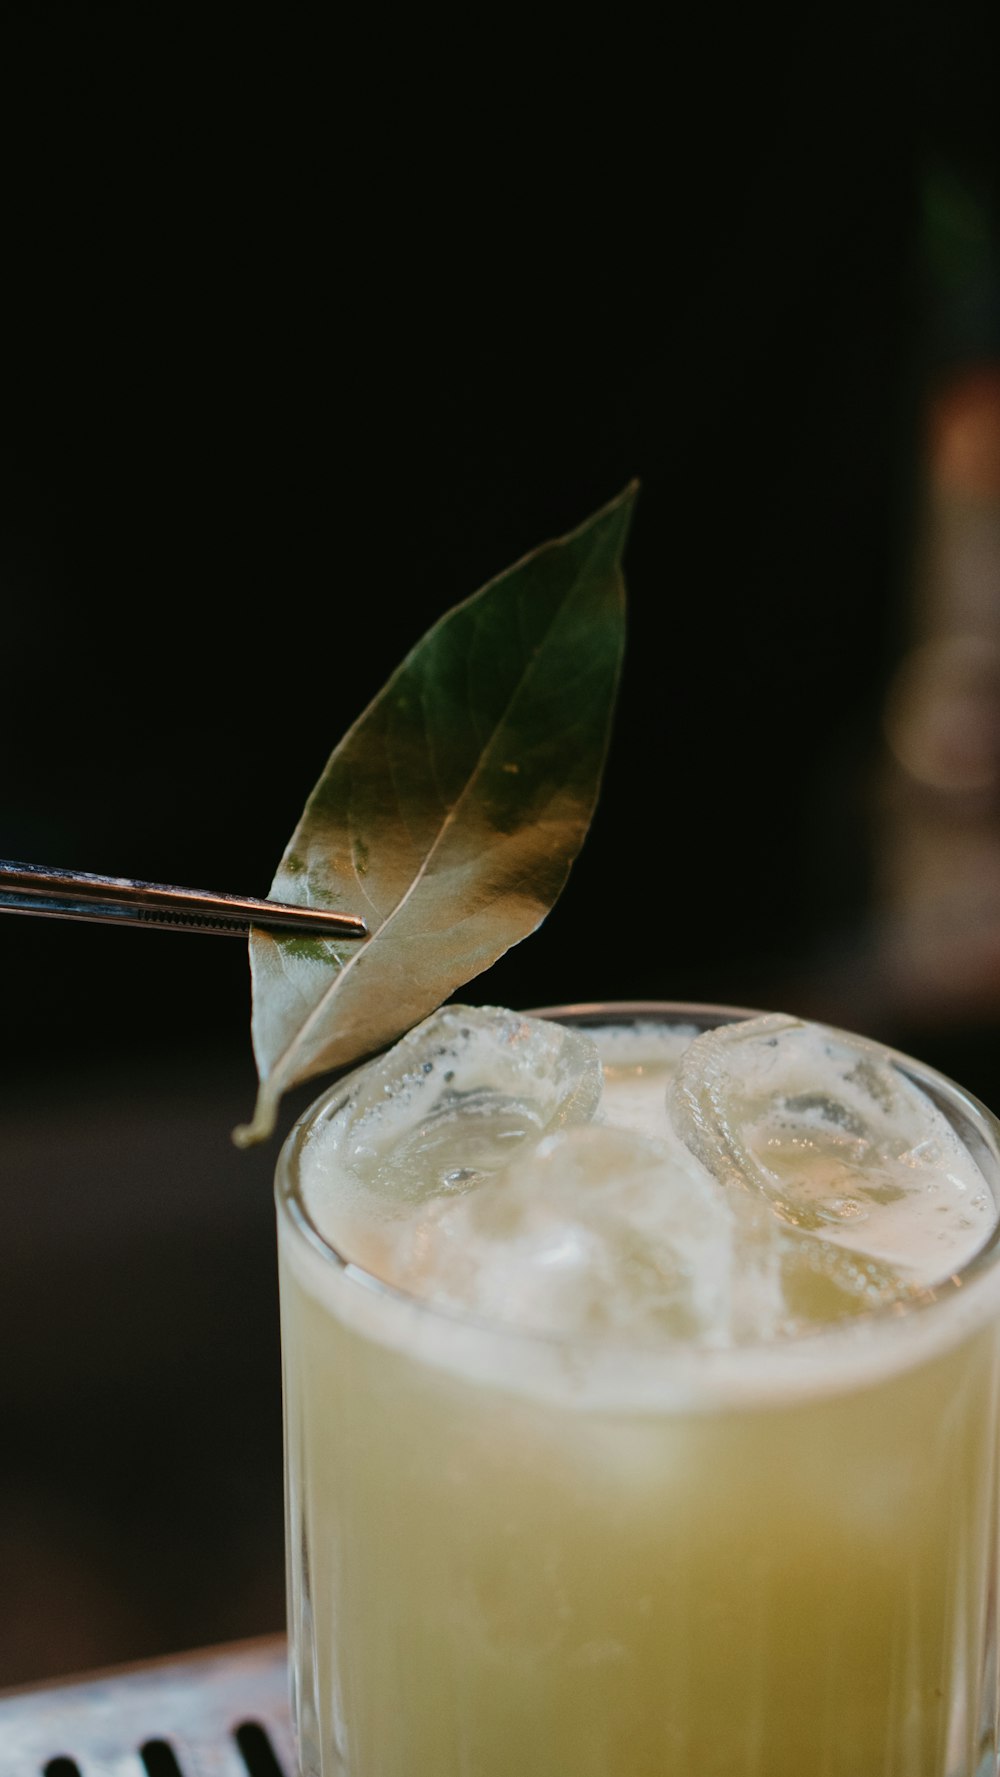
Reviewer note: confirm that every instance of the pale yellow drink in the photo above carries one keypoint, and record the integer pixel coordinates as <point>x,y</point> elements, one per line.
<point>555,1513</point>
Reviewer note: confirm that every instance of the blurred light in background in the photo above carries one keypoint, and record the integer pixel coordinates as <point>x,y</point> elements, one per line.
<point>937,864</point>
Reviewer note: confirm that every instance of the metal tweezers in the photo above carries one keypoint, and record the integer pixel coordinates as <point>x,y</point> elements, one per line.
<point>119,900</point>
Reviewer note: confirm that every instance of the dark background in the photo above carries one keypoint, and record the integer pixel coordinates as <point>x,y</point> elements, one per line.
<point>306,335</point>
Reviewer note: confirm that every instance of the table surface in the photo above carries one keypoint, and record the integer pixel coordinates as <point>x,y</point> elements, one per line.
<point>218,1712</point>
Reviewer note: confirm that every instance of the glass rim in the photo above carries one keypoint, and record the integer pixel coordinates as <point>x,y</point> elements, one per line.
<point>984,1123</point>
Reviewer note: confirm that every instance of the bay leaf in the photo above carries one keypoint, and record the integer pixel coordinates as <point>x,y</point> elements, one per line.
<point>449,815</point>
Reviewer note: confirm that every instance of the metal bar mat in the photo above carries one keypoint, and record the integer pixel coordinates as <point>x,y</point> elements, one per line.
<point>220,1713</point>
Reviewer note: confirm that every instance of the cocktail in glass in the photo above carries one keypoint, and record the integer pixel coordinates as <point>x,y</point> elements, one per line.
<point>637,1547</point>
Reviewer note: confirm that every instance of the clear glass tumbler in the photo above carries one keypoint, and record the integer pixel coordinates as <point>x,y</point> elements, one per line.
<point>513,1554</point>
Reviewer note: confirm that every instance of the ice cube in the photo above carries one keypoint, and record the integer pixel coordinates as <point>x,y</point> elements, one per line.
<point>459,1095</point>
<point>596,1231</point>
<point>837,1140</point>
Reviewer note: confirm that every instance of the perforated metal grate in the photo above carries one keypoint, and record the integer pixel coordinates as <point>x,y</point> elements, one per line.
<point>220,1713</point>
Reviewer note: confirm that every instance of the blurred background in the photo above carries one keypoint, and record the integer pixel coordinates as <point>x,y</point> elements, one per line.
<point>306,335</point>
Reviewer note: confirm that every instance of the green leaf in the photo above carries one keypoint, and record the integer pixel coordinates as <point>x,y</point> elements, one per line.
<point>450,813</point>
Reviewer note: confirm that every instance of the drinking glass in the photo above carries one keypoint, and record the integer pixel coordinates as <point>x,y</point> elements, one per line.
<point>517,1554</point>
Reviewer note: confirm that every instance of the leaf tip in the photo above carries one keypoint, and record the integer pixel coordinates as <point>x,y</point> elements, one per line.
<point>613,520</point>
<point>626,500</point>
<point>261,1125</point>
